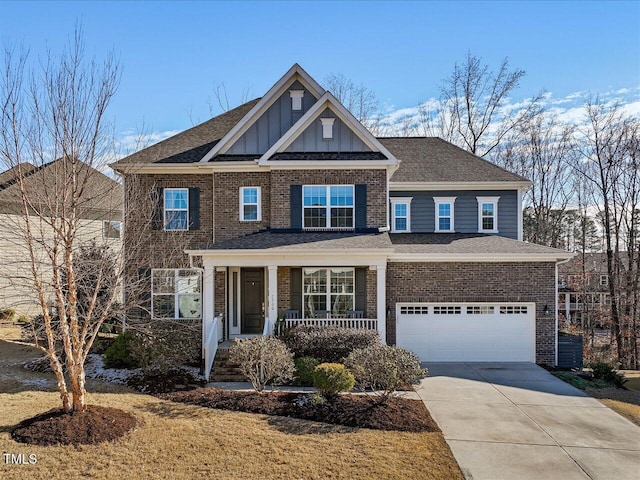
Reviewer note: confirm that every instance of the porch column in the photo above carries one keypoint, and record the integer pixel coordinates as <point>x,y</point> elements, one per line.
<point>381,295</point>
<point>273,296</point>
<point>208,296</point>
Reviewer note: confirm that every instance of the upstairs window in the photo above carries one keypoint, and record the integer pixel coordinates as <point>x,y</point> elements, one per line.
<point>176,293</point>
<point>488,214</point>
<point>444,213</point>
<point>401,214</point>
<point>176,208</point>
<point>328,206</point>
<point>250,204</point>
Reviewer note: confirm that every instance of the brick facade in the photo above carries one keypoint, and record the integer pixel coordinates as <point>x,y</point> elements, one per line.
<point>477,282</point>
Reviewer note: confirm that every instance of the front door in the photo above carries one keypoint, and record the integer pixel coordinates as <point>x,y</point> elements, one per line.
<point>252,300</point>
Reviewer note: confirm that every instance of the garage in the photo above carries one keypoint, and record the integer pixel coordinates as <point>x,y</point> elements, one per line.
<point>467,332</point>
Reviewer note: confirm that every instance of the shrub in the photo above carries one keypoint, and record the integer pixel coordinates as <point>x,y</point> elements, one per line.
<point>7,314</point>
<point>604,371</point>
<point>263,360</point>
<point>385,369</point>
<point>304,370</point>
<point>122,353</point>
<point>328,344</point>
<point>331,378</point>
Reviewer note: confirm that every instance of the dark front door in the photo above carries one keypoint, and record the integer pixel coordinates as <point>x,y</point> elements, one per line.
<point>252,300</point>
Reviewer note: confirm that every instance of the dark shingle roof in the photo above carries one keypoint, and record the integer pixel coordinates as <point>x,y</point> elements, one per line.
<point>467,243</point>
<point>192,144</point>
<point>8,176</point>
<point>431,159</point>
<point>268,240</point>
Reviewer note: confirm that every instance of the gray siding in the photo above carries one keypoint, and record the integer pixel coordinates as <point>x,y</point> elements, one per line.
<point>272,124</point>
<point>344,140</point>
<point>465,210</point>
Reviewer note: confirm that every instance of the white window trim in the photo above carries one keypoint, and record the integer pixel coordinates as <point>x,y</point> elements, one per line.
<point>440,201</point>
<point>164,209</point>
<point>242,204</point>
<point>328,208</point>
<point>175,294</point>
<point>494,201</point>
<point>328,293</point>
<point>394,201</point>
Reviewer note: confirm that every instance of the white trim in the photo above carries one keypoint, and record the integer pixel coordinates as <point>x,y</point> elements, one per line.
<point>393,201</point>
<point>258,204</point>
<point>444,201</point>
<point>330,102</point>
<point>234,300</point>
<point>328,208</point>
<point>381,301</point>
<point>296,99</point>
<point>409,186</point>
<point>328,293</point>
<point>164,209</point>
<point>248,166</point>
<point>176,294</point>
<point>494,201</point>
<point>272,293</point>
<point>296,72</point>
<point>520,215</point>
<point>327,128</point>
<point>474,257</point>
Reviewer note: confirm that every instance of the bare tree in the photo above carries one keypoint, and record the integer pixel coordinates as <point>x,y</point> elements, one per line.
<point>358,99</point>
<point>472,111</point>
<point>53,117</point>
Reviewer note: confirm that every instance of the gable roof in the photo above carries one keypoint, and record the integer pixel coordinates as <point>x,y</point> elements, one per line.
<point>9,176</point>
<point>192,144</point>
<point>431,159</point>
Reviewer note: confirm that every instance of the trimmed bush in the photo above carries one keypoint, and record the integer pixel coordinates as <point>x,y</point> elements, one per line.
<point>263,360</point>
<point>385,369</point>
<point>604,371</point>
<point>328,344</point>
<point>122,353</point>
<point>304,371</point>
<point>332,378</point>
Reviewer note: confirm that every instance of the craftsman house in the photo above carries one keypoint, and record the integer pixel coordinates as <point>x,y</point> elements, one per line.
<point>291,212</point>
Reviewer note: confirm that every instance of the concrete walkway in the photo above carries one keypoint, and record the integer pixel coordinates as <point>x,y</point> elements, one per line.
<point>517,421</point>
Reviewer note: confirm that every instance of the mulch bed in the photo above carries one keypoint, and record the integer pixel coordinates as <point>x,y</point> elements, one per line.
<point>95,425</point>
<point>155,382</point>
<point>359,411</point>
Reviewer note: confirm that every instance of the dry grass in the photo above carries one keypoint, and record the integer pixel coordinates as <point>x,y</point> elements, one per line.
<point>624,402</point>
<point>182,441</point>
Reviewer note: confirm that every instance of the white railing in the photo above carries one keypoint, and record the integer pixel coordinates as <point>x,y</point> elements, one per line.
<point>212,335</point>
<point>363,323</point>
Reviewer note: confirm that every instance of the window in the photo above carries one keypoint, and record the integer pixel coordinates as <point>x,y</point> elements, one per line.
<point>513,309</point>
<point>488,214</point>
<point>328,290</point>
<point>111,229</point>
<point>176,293</point>
<point>480,310</point>
<point>401,214</point>
<point>444,213</point>
<point>414,310</point>
<point>328,206</point>
<point>176,209</point>
<point>447,310</point>
<point>604,281</point>
<point>250,204</point>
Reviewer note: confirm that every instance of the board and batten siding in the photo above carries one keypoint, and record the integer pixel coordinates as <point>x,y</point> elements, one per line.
<point>465,210</point>
<point>273,123</point>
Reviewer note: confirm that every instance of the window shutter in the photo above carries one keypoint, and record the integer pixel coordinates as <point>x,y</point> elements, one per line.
<point>296,290</point>
<point>295,197</point>
<point>157,222</point>
<point>361,290</point>
<point>194,208</point>
<point>361,206</point>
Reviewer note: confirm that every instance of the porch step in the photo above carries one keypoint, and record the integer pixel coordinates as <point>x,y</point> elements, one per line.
<point>224,370</point>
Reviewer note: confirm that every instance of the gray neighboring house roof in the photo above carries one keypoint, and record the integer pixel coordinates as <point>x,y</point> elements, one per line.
<point>9,176</point>
<point>431,159</point>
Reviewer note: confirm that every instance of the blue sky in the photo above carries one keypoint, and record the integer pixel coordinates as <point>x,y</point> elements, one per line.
<point>174,53</point>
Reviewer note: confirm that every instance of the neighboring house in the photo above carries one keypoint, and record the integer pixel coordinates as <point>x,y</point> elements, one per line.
<point>100,214</point>
<point>293,212</point>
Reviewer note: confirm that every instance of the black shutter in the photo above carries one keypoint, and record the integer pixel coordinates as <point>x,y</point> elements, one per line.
<point>361,290</point>
<point>295,196</point>
<point>158,209</point>
<point>295,290</point>
<point>194,208</point>
<point>361,206</point>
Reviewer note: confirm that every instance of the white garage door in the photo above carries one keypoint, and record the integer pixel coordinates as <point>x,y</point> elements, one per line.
<point>467,332</point>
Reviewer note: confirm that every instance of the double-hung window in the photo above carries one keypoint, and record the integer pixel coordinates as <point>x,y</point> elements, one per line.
<point>176,293</point>
<point>250,204</point>
<point>176,209</point>
<point>328,206</point>
<point>444,214</point>
<point>488,214</point>
<point>328,291</point>
<point>401,214</point>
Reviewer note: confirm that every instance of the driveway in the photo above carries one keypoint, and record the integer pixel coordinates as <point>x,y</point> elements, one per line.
<point>517,421</point>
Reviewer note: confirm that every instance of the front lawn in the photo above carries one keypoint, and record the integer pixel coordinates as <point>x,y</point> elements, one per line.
<point>176,440</point>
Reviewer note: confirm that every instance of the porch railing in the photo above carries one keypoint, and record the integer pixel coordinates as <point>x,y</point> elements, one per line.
<point>212,335</point>
<point>362,323</point>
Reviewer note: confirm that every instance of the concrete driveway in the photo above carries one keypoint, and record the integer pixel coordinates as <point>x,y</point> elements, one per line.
<point>517,421</point>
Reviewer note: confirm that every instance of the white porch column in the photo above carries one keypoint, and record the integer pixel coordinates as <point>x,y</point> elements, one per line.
<point>208,296</point>
<point>273,296</point>
<point>381,295</point>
